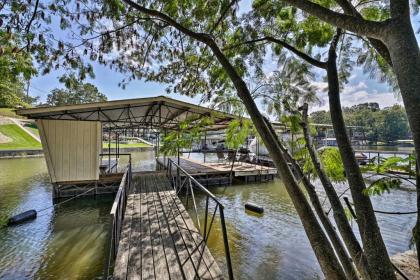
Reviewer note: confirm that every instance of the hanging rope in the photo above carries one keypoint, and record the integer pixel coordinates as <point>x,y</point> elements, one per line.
<point>67,200</point>
<point>378,211</point>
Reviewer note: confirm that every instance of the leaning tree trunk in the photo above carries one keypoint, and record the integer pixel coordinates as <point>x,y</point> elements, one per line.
<point>340,217</point>
<point>319,242</point>
<point>405,55</point>
<point>377,256</point>
<point>416,229</point>
<point>326,223</point>
<point>324,252</point>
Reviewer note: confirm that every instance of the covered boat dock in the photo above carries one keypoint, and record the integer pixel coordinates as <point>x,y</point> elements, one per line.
<point>153,236</point>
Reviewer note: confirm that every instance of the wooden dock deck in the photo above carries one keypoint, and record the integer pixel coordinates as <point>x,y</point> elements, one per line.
<point>158,238</point>
<point>213,173</point>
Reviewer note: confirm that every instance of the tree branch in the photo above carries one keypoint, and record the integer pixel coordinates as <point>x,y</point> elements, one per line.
<point>202,37</point>
<point>302,55</point>
<point>222,16</point>
<point>33,17</point>
<point>28,27</point>
<point>360,26</point>
<point>380,47</point>
<point>84,41</point>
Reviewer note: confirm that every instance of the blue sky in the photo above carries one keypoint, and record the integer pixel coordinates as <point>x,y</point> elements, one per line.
<point>360,89</point>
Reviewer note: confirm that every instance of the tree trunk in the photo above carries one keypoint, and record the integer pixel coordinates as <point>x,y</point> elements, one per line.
<point>340,217</point>
<point>405,55</point>
<point>339,247</point>
<point>327,259</point>
<point>378,260</point>
<point>416,229</point>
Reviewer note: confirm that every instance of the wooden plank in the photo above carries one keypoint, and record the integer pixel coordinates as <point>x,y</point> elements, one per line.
<point>208,261</point>
<point>160,240</point>
<point>159,259</point>
<point>188,231</point>
<point>186,264</point>
<point>123,254</point>
<point>147,269</point>
<point>207,258</point>
<point>189,244</point>
<point>173,265</point>
<point>134,262</point>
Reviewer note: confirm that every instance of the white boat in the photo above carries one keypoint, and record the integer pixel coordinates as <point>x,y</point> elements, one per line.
<point>329,142</point>
<point>258,147</point>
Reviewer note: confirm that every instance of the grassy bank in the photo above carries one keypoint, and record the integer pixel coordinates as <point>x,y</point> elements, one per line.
<point>9,112</point>
<point>20,138</point>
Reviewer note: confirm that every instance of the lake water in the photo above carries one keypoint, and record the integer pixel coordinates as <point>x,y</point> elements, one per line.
<point>71,241</point>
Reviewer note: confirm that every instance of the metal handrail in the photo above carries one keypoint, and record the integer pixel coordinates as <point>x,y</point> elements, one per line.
<point>189,183</point>
<point>115,165</point>
<point>117,215</point>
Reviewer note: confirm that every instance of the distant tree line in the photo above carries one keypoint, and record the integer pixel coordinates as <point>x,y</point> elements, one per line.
<point>379,125</point>
<point>74,92</point>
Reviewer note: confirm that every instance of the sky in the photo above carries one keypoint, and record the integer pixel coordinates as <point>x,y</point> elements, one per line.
<point>360,88</point>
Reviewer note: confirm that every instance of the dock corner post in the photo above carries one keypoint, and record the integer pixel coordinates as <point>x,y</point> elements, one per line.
<point>226,242</point>
<point>205,145</point>
<point>54,192</point>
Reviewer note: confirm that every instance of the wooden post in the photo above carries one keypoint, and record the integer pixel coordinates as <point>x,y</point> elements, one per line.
<point>205,142</point>
<point>109,149</point>
<point>158,143</point>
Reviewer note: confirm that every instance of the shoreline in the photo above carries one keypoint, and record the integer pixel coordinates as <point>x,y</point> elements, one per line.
<point>31,153</point>
<point>21,153</point>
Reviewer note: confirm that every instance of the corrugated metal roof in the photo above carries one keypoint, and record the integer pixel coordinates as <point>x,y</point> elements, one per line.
<point>150,112</point>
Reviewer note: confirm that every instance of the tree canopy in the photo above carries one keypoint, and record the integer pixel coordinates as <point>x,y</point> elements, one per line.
<point>15,70</point>
<point>210,48</point>
<point>75,92</point>
<point>384,125</point>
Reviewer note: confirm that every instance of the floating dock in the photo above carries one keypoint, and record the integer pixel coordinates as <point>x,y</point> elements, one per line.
<point>158,237</point>
<point>221,173</point>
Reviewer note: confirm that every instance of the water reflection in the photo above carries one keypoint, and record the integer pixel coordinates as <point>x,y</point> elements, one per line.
<point>66,243</point>
<point>71,241</point>
<point>268,246</point>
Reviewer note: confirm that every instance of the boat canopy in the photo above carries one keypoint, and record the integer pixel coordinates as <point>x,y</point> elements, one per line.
<point>152,112</point>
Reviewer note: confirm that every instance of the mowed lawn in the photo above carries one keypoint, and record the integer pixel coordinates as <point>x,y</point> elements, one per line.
<point>20,139</point>
<point>8,112</point>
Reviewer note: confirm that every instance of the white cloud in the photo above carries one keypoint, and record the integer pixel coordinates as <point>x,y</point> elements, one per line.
<point>353,94</point>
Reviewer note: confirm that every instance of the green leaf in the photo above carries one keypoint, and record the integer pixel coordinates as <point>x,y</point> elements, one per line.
<point>382,185</point>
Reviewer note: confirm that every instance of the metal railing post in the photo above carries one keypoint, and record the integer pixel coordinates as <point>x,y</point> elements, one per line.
<point>226,243</point>
<point>205,219</point>
<point>192,182</point>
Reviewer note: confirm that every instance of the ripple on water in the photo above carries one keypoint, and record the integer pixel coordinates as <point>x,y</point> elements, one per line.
<point>70,242</point>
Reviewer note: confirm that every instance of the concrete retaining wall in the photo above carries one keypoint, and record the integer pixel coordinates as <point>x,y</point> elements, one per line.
<point>21,153</point>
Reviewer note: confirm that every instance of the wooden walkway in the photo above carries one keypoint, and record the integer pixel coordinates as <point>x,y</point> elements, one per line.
<point>159,239</point>
<point>218,173</point>
<point>192,167</point>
